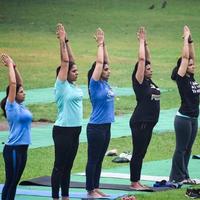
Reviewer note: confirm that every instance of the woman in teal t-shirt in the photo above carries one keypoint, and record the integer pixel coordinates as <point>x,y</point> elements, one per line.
<point>68,124</point>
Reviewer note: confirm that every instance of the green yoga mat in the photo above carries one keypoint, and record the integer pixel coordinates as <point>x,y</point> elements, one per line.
<point>47,94</point>
<point>42,135</point>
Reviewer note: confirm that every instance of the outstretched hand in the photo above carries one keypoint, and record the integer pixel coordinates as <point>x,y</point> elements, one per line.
<point>60,32</point>
<point>99,36</point>
<point>186,32</point>
<point>141,35</point>
<point>7,60</point>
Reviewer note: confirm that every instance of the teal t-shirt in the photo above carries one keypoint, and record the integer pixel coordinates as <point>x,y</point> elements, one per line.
<point>68,98</point>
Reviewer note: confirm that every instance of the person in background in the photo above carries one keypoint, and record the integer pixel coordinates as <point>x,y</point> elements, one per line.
<point>146,113</point>
<point>19,121</point>
<point>186,119</point>
<point>98,128</point>
<point>68,124</point>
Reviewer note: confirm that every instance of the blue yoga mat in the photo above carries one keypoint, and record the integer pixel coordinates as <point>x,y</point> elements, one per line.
<point>44,193</point>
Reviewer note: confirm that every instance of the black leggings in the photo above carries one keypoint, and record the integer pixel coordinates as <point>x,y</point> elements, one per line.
<point>141,137</point>
<point>66,141</point>
<point>15,160</point>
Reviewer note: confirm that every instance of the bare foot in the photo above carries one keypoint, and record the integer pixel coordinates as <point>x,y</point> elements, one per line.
<point>101,193</point>
<point>65,198</point>
<point>138,186</point>
<point>93,194</point>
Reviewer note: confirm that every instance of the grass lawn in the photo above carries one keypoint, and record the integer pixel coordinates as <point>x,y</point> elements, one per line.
<point>27,33</point>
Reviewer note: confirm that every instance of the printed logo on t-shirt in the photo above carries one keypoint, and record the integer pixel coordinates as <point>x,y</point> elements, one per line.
<point>110,94</point>
<point>155,93</point>
<point>195,87</point>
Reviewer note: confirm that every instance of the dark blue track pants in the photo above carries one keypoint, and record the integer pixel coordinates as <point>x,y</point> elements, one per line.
<point>98,136</point>
<point>15,160</point>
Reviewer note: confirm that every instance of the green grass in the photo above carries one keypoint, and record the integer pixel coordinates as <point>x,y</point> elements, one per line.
<point>27,33</point>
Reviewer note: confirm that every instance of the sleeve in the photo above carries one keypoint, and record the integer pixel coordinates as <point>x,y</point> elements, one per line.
<point>11,110</point>
<point>94,87</point>
<point>60,87</point>
<point>139,89</point>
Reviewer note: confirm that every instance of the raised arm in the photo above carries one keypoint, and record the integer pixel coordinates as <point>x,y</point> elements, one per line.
<point>19,79</point>
<point>7,61</point>
<point>105,51</point>
<point>141,56</point>
<point>69,49</point>
<point>191,48</point>
<point>185,52</point>
<point>62,75</point>
<point>147,51</point>
<point>99,36</point>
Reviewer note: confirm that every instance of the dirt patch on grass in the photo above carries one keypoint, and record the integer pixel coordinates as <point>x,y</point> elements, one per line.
<point>37,123</point>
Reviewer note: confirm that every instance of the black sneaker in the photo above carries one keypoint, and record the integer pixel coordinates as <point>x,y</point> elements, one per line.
<point>193,193</point>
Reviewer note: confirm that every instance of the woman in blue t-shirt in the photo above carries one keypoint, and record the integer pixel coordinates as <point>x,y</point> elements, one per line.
<point>186,119</point>
<point>98,128</point>
<point>67,127</point>
<point>19,121</point>
<point>146,113</point>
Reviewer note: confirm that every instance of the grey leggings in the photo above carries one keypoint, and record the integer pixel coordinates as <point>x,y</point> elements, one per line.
<point>186,131</point>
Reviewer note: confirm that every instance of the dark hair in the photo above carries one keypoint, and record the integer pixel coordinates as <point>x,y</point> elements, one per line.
<point>3,101</point>
<point>90,72</point>
<point>175,69</point>
<point>136,67</point>
<point>70,67</point>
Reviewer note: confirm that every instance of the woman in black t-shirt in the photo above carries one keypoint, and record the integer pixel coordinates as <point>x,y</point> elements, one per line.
<point>146,113</point>
<point>186,122</point>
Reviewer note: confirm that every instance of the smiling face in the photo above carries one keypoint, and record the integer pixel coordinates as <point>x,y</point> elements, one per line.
<point>20,96</point>
<point>148,71</point>
<point>191,67</point>
<point>105,72</point>
<point>73,74</point>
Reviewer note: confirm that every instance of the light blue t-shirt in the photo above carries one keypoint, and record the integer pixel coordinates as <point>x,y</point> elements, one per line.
<point>68,98</point>
<point>19,121</point>
<point>102,99</point>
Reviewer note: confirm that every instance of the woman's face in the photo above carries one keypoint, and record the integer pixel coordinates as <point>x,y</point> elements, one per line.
<point>20,96</point>
<point>191,66</point>
<point>106,72</point>
<point>73,74</point>
<point>148,71</point>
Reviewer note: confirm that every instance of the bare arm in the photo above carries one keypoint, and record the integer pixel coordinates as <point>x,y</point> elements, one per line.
<point>106,58</point>
<point>69,49</point>
<point>19,79</point>
<point>100,55</point>
<point>191,48</point>
<point>185,53</point>
<point>141,56</point>
<point>62,75</point>
<point>7,61</point>
<point>147,52</point>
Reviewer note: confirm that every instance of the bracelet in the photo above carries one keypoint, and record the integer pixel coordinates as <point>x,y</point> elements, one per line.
<point>66,40</point>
